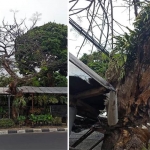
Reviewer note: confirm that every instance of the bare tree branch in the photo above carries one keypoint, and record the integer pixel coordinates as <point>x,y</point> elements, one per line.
<point>100,20</point>
<point>8,35</point>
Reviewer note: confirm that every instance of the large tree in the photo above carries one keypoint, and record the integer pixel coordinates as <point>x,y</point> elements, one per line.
<point>44,50</point>
<point>128,70</point>
<point>32,54</point>
<point>42,47</point>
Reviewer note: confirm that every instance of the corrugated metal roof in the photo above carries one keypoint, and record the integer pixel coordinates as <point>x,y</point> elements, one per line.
<point>31,89</point>
<point>3,91</point>
<point>90,72</point>
<point>50,90</point>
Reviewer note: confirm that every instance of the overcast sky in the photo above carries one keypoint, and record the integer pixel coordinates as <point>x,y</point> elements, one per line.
<point>51,10</point>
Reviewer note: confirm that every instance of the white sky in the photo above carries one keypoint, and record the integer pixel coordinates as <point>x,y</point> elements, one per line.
<point>51,10</point>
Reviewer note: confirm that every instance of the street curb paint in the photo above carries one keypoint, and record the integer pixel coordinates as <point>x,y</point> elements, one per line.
<point>12,131</point>
<point>60,129</point>
<point>53,129</point>
<point>3,132</point>
<point>37,130</point>
<point>29,130</point>
<point>20,131</point>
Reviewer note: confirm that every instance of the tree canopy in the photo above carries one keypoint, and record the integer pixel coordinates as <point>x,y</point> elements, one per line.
<point>42,48</point>
<point>97,61</point>
<point>33,55</point>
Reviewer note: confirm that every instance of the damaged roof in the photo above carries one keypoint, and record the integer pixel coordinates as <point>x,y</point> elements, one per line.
<point>86,88</point>
<point>48,90</point>
<point>32,89</point>
<point>89,72</point>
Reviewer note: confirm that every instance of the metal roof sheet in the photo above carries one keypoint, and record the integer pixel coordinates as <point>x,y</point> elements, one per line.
<point>52,90</point>
<point>90,72</point>
<point>3,91</point>
<point>31,89</point>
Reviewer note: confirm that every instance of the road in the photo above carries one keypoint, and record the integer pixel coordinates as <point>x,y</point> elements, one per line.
<point>34,141</point>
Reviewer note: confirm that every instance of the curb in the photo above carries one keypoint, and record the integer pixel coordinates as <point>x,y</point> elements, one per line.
<point>44,130</point>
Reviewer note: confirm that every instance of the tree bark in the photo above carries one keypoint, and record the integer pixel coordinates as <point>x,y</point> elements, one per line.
<point>133,105</point>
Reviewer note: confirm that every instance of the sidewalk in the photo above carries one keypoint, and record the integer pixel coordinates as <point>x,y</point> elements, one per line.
<point>33,130</point>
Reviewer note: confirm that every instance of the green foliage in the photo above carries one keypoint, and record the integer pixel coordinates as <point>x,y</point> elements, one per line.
<point>45,99</point>
<point>21,120</point>
<point>40,100</point>
<point>123,53</point>
<point>6,123</point>
<point>57,121</point>
<point>43,47</point>
<point>4,81</point>
<point>53,100</point>
<point>63,99</point>
<point>60,80</point>
<point>33,118</point>
<point>48,79</point>
<point>97,61</point>
<point>35,82</point>
<point>116,67</point>
<point>19,102</point>
<point>130,46</point>
<point>47,118</point>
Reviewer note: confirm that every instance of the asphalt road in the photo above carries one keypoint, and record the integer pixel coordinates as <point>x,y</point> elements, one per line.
<point>34,141</point>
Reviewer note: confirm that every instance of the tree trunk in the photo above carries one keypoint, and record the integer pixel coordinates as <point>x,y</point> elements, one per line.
<point>133,106</point>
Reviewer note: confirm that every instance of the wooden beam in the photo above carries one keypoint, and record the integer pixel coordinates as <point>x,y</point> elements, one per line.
<point>90,93</point>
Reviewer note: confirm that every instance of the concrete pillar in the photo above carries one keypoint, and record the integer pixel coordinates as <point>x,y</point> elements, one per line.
<point>112,109</point>
<point>72,116</point>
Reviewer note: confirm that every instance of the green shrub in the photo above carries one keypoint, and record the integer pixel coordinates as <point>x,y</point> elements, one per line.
<point>33,118</point>
<point>57,121</point>
<point>21,120</point>
<point>5,123</point>
<point>47,118</point>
